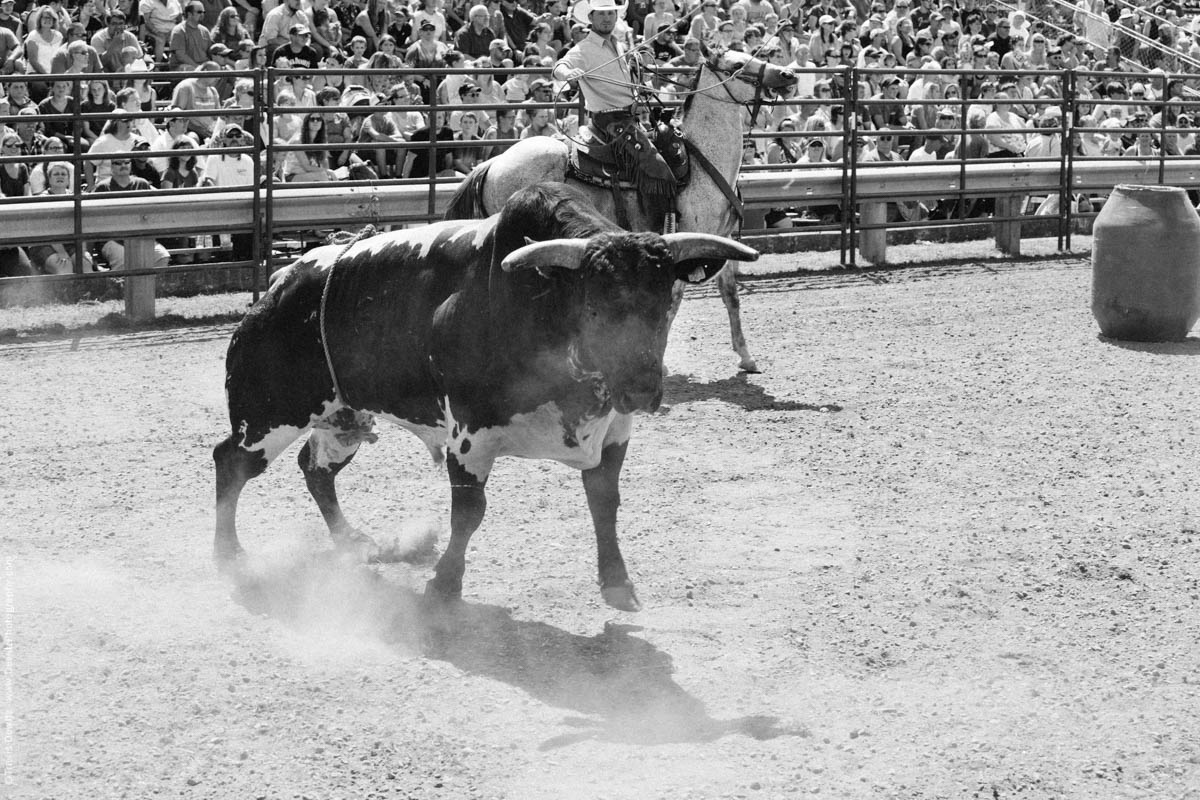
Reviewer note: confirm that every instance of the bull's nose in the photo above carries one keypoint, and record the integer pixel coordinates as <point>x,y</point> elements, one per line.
<point>628,402</point>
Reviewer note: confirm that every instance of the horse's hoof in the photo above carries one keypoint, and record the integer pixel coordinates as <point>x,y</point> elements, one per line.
<point>622,597</point>
<point>749,365</point>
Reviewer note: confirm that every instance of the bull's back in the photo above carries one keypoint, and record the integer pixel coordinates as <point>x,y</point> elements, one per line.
<point>381,301</point>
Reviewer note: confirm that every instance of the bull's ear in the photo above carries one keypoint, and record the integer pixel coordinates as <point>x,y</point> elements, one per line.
<point>699,256</point>
<point>564,253</point>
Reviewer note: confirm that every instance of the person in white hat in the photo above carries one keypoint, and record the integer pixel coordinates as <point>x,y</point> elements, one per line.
<point>600,66</point>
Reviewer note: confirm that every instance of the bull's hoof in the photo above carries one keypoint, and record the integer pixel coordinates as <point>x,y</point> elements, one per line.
<point>622,598</point>
<point>229,557</point>
<point>749,365</point>
<point>440,594</point>
<point>413,548</point>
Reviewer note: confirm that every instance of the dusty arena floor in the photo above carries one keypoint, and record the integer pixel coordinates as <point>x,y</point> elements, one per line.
<point>946,546</point>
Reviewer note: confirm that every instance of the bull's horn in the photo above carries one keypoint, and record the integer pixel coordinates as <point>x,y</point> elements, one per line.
<point>565,253</point>
<point>686,246</point>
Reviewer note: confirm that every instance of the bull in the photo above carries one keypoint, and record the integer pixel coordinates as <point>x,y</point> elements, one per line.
<point>537,333</point>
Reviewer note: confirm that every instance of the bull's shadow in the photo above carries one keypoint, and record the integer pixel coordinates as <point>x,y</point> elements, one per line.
<point>737,390</point>
<point>620,682</point>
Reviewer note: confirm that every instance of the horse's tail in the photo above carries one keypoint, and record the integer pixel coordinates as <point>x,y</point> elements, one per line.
<point>467,202</point>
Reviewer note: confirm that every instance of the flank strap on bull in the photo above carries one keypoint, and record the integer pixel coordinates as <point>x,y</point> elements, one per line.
<point>347,240</point>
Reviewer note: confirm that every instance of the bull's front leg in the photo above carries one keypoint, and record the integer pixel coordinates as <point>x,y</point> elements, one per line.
<point>601,484</point>
<point>467,506</point>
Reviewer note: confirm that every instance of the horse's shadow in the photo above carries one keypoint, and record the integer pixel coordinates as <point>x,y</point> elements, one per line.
<point>737,390</point>
<point>620,683</point>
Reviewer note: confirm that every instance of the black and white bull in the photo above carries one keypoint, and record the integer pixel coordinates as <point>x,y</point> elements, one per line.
<point>537,333</point>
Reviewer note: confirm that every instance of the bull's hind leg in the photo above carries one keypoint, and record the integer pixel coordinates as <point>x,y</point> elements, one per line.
<point>235,465</point>
<point>328,450</point>
<point>601,484</point>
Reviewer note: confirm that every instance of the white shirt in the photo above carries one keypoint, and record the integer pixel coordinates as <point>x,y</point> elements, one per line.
<point>608,85</point>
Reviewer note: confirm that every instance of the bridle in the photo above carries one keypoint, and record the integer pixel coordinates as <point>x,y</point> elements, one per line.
<point>757,80</point>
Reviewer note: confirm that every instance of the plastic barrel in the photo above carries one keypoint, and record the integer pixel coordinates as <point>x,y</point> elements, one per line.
<point>1146,264</point>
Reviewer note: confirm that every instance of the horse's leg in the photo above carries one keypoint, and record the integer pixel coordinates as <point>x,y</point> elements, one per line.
<point>601,485</point>
<point>676,301</point>
<point>727,285</point>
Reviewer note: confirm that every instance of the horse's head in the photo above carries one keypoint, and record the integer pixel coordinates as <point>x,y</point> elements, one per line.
<point>749,77</point>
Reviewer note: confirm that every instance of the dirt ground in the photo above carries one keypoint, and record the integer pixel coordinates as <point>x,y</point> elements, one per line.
<point>946,546</point>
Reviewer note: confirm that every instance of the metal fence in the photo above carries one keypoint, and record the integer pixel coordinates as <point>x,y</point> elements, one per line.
<point>254,208</point>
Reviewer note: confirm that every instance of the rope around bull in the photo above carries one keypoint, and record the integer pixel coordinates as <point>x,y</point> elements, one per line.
<point>363,232</point>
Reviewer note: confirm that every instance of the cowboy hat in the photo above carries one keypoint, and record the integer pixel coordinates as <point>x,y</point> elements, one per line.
<point>582,10</point>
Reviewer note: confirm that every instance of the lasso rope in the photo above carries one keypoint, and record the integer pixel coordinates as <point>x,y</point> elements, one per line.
<point>363,233</point>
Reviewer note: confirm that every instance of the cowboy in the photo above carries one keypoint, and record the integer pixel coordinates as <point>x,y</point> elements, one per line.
<point>600,66</point>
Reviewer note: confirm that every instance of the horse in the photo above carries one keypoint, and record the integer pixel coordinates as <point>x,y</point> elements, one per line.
<point>712,123</point>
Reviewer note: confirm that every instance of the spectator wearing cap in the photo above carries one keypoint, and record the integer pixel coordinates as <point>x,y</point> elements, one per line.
<point>299,52</point>
<point>430,11</point>
<point>174,129</point>
<point>109,42</point>
<point>224,58</point>
<point>426,53</point>
<point>279,21</point>
<point>232,169</point>
<point>10,21</point>
<point>122,179</point>
<point>190,40</point>
<point>887,107</point>
<point>934,30</point>
<point>500,56</point>
<point>825,45</point>
<point>724,37</point>
<point>474,38</point>
<point>141,166</point>
<point>1045,141</point>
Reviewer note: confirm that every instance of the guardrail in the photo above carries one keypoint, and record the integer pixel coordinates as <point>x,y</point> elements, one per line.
<point>139,220</point>
<point>866,187</point>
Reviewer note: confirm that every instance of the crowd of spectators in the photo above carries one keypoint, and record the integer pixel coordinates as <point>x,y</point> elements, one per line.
<point>902,103</point>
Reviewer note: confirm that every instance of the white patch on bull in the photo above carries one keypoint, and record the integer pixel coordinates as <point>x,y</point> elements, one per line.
<point>540,434</point>
<point>325,449</point>
<point>276,440</point>
<point>432,436</point>
<point>423,239</point>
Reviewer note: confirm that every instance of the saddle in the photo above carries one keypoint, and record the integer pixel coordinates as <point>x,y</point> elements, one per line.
<point>607,163</point>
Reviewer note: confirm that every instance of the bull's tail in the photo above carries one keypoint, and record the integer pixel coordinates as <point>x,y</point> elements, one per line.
<point>467,202</point>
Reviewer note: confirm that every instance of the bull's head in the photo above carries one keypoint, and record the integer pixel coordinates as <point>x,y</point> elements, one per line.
<point>623,321</point>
